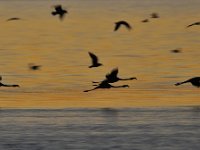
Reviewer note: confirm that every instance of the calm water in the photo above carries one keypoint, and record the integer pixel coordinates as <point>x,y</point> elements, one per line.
<point>89,129</point>
<point>61,47</point>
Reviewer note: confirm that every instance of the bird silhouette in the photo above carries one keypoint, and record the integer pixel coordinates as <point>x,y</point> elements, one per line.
<point>95,62</point>
<point>155,15</point>
<point>59,11</point>
<point>194,81</point>
<point>196,23</point>
<point>105,85</point>
<point>34,67</point>
<point>7,85</point>
<point>120,23</point>
<point>145,20</point>
<point>176,51</point>
<point>112,77</point>
<point>12,19</point>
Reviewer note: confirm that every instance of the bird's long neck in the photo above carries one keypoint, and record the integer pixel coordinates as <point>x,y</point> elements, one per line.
<point>91,89</point>
<point>7,85</point>
<point>179,83</point>
<point>132,78</point>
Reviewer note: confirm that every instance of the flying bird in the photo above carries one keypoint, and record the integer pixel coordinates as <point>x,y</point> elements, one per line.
<point>194,81</point>
<point>105,85</point>
<point>145,20</point>
<point>155,15</point>
<point>120,23</point>
<point>7,85</point>
<point>112,77</point>
<point>176,51</point>
<point>34,67</point>
<point>14,18</point>
<point>196,23</point>
<point>95,62</point>
<point>59,11</point>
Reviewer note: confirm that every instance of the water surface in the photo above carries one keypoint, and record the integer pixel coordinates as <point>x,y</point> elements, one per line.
<point>107,128</point>
<point>61,47</point>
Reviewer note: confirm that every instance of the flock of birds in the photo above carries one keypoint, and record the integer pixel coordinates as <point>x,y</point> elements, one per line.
<point>111,77</point>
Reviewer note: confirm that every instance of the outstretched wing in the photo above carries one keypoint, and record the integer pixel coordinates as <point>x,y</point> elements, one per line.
<point>94,58</point>
<point>127,25</point>
<point>14,18</point>
<point>117,25</point>
<point>112,74</point>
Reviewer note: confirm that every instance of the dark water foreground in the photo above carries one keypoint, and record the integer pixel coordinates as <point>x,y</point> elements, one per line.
<point>175,128</point>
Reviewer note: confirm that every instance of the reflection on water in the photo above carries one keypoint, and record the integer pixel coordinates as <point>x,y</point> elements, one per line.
<point>107,128</point>
<point>61,48</point>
